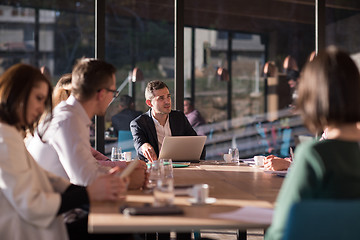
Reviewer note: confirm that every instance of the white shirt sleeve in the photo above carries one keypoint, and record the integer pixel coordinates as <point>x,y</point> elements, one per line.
<point>71,142</point>
<point>58,183</point>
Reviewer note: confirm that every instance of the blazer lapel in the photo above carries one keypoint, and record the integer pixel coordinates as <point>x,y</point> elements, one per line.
<point>174,125</point>
<point>152,129</point>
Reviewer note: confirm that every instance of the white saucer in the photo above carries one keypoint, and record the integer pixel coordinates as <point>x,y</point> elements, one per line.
<point>209,200</point>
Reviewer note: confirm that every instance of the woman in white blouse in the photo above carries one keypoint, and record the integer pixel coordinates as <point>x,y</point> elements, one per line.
<point>32,199</point>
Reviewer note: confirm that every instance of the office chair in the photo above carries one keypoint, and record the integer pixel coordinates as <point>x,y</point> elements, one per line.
<point>125,141</point>
<point>324,219</point>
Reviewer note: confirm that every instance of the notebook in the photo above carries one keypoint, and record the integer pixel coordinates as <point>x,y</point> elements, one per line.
<point>182,148</point>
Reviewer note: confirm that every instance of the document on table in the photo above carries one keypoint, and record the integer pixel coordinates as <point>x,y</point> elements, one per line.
<point>248,214</point>
<point>247,160</point>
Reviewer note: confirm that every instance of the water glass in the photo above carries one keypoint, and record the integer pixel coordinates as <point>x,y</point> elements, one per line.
<point>154,173</point>
<point>164,189</point>
<point>164,192</point>
<point>116,154</point>
<point>234,154</point>
<point>167,168</point>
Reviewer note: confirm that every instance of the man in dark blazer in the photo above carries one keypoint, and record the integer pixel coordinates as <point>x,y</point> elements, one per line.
<point>150,128</point>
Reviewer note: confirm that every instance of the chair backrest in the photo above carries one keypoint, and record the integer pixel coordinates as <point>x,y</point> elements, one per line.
<point>324,219</point>
<point>125,141</point>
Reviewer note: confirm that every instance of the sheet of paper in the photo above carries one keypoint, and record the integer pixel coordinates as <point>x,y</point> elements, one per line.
<point>275,172</point>
<point>248,214</point>
<point>247,160</point>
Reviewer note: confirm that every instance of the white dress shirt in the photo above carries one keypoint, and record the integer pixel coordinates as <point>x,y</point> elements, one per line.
<point>29,195</point>
<point>161,131</point>
<point>66,151</point>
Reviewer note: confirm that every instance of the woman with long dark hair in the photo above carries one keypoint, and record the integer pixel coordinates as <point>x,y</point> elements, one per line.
<point>32,199</point>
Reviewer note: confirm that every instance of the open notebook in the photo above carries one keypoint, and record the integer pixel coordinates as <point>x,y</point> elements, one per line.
<point>182,148</point>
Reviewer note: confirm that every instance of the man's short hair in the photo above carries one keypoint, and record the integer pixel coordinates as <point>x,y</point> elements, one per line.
<point>153,85</point>
<point>89,75</point>
<point>125,101</point>
<point>191,102</point>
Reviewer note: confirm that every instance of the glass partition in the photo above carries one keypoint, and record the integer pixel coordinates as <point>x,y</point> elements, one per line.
<point>343,29</point>
<point>43,36</point>
<point>242,106</point>
<point>261,121</point>
<point>136,38</point>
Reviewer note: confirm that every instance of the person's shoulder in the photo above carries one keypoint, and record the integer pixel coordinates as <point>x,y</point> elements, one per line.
<point>308,146</point>
<point>177,113</point>
<point>199,116</point>
<point>319,149</point>
<point>332,146</point>
<point>9,132</point>
<point>64,109</point>
<point>64,113</point>
<point>11,139</point>
<point>116,116</point>
<point>132,112</point>
<point>142,117</point>
<point>196,112</point>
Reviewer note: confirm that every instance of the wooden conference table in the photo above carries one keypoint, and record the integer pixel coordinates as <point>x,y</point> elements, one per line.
<point>233,187</point>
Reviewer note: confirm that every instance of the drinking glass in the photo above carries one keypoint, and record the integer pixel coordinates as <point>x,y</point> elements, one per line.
<point>234,154</point>
<point>167,168</point>
<point>164,192</point>
<point>119,150</point>
<point>164,189</point>
<point>154,173</point>
<point>114,154</point>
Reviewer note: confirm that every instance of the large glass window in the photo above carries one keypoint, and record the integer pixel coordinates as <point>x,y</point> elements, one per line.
<point>261,118</point>
<point>138,37</point>
<point>140,34</point>
<point>343,29</point>
<point>49,37</point>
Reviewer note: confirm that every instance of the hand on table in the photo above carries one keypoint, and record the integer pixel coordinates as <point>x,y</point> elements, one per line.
<point>138,176</point>
<point>108,187</point>
<point>274,163</point>
<point>148,152</point>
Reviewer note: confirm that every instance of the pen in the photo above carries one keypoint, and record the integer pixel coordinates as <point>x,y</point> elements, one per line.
<point>292,154</point>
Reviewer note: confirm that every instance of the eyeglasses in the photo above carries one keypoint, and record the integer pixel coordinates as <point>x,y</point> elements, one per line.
<point>115,92</point>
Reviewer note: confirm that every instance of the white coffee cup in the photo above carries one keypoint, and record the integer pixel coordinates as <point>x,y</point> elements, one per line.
<point>227,157</point>
<point>259,161</point>
<point>127,156</point>
<point>200,192</point>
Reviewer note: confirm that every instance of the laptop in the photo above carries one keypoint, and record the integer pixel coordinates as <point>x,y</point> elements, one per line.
<point>182,148</point>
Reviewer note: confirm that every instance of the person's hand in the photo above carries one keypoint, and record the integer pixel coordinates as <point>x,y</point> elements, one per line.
<point>107,187</point>
<point>148,152</point>
<point>115,170</point>
<point>138,176</point>
<point>274,163</point>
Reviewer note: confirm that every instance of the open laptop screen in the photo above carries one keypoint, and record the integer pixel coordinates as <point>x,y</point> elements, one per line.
<point>182,148</point>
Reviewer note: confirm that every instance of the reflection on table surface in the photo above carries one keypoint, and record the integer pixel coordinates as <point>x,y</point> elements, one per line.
<point>232,185</point>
